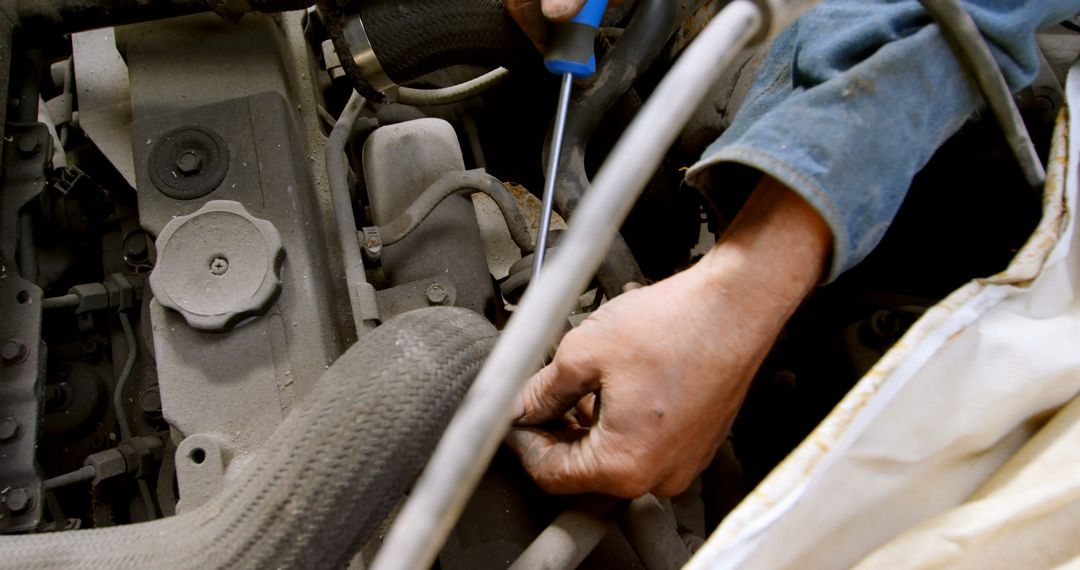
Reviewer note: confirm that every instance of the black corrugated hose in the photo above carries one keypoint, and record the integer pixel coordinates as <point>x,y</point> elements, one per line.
<point>414,37</point>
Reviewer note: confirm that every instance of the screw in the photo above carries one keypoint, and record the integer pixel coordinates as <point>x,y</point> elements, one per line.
<point>13,351</point>
<point>189,163</point>
<point>436,294</point>
<point>219,266</point>
<point>9,429</point>
<point>150,403</point>
<point>18,500</point>
<point>1044,104</point>
<point>885,325</point>
<point>135,248</point>
<point>30,146</point>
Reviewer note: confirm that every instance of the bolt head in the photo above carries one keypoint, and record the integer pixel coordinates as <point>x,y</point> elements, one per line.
<point>1044,104</point>
<point>9,428</point>
<point>436,294</point>
<point>30,145</point>
<point>18,500</point>
<point>135,246</point>
<point>189,163</point>
<point>150,403</point>
<point>12,351</point>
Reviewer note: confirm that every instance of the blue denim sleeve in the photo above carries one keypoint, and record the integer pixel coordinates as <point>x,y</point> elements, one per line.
<point>853,100</point>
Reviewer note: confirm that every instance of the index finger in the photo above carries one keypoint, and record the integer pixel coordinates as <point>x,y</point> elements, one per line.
<point>573,467</point>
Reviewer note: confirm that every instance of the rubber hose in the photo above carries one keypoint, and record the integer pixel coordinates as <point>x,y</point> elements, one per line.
<point>328,475</point>
<point>414,37</point>
<point>454,94</point>
<point>452,183</point>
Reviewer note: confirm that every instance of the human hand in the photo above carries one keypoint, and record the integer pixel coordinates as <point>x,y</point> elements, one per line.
<point>657,375</point>
<point>535,16</point>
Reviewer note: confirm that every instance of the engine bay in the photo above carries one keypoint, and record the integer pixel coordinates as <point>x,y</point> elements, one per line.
<point>218,247</point>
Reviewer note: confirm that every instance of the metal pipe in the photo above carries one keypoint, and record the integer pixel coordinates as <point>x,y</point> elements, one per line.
<point>975,56</point>
<point>456,183</point>
<point>571,536</point>
<point>337,173</point>
<point>125,375</point>
<point>84,473</point>
<point>653,535</point>
<point>69,301</point>
<point>480,425</point>
<point>551,179</point>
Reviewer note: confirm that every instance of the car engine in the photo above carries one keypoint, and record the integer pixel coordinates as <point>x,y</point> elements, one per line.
<point>247,274</point>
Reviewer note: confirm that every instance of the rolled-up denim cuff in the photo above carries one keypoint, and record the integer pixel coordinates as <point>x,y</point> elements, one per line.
<point>853,101</point>
<point>780,170</point>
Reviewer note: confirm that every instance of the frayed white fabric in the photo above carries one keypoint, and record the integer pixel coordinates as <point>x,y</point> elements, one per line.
<point>936,456</point>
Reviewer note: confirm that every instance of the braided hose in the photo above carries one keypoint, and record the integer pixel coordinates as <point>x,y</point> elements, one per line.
<point>328,475</point>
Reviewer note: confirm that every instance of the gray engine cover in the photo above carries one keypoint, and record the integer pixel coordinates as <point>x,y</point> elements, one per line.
<point>400,162</point>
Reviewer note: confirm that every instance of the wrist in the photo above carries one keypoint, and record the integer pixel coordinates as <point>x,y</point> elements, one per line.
<point>772,256</point>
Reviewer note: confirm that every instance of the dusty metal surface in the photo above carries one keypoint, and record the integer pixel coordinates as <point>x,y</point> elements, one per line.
<point>235,388</point>
<point>104,97</point>
<point>400,163</point>
<point>238,386</point>
<point>499,247</point>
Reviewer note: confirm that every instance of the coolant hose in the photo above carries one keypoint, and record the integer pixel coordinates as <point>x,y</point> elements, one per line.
<point>328,475</point>
<point>411,38</point>
<point>415,37</point>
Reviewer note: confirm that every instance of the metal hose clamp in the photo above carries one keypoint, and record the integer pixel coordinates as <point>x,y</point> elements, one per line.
<point>364,57</point>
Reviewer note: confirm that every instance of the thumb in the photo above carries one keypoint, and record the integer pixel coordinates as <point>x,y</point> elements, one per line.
<point>561,10</point>
<point>553,391</point>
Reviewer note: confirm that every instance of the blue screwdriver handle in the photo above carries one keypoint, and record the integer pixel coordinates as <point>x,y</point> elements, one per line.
<point>571,51</point>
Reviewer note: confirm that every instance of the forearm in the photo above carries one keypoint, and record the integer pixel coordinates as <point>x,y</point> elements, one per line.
<point>767,262</point>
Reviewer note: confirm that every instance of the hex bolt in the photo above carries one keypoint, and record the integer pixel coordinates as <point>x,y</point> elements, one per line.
<point>30,145</point>
<point>189,163</point>
<point>12,351</point>
<point>436,294</point>
<point>9,429</point>
<point>1044,104</point>
<point>885,325</point>
<point>135,247</point>
<point>219,266</point>
<point>150,403</point>
<point>18,500</point>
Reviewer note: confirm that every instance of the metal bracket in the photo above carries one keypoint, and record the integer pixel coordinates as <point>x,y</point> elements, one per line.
<point>437,291</point>
<point>22,354</point>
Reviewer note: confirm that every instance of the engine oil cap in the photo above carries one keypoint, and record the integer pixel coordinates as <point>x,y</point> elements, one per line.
<point>218,266</point>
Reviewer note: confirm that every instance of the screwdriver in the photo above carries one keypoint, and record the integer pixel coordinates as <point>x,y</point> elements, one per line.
<point>570,55</point>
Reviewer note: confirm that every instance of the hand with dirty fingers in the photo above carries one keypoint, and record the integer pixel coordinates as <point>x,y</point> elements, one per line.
<point>535,16</point>
<point>642,394</point>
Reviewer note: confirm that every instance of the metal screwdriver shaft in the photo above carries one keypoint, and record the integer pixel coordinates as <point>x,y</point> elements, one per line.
<point>554,156</point>
<point>570,56</point>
